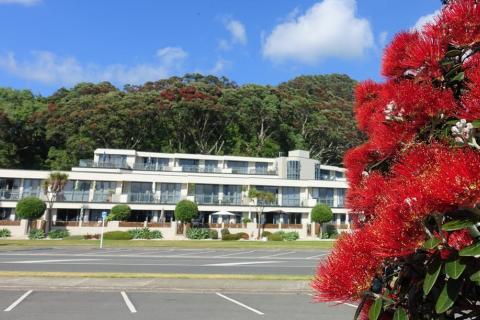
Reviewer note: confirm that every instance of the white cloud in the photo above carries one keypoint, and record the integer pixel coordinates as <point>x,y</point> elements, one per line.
<point>238,34</point>
<point>422,21</point>
<point>219,67</point>
<point>328,29</point>
<point>26,3</point>
<point>48,68</point>
<point>237,31</point>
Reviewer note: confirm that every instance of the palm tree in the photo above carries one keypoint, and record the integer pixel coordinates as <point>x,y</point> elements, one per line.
<point>52,187</point>
<point>261,199</point>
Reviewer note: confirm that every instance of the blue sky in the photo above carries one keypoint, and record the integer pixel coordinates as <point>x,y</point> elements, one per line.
<point>47,44</point>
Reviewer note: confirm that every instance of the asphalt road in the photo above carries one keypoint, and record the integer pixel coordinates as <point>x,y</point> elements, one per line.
<point>51,305</point>
<point>163,260</point>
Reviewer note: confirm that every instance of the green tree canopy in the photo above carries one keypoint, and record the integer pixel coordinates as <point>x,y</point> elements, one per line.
<point>321,213</point>
<point>30,208</point>
<point>119,212</point>
<point>186,210</point>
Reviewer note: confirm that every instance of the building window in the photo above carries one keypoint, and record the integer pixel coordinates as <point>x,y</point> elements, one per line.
<point>291,196</point>
<point>169,192</point>
<point>323,195</point>
<point>32,187</point>
<point>206,193</point>
<point>188,165</point>
<point>240,167</point>
<point>293,170</point>
<point>341,198</point>
<point>261,167</point>
<point>5,213</point>
<point>211,165</point>
<point>339,175</point>
<point>232,194</point>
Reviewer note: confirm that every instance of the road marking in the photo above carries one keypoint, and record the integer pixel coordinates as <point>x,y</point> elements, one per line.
<point>239,303</point>
<point>228,264</point>
<point>317,256</point>
<point>17,302</point>
<point>233,254</point>
<point>347,304</point>
<point>279,254</point>
<point>51,261</point>
<point>129,303</point>
<point>191,253</point>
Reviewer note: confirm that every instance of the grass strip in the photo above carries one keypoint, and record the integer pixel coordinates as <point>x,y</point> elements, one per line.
<point>126,275</point>
<point>204,244</point>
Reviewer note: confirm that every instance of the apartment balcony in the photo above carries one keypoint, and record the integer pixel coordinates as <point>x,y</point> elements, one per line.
<point>103,196</point>
<point>9,194</point>
<point>87,163</point>
<point>141,198</point>
<point>291,203</point>
<point>73,196</point>
<point>231,200</point>
<point>32,193</point>
<point>151,167</point>
<point>206,199</point>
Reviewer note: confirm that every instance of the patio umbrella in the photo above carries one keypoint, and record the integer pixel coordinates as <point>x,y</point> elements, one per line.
<point>223,213</point>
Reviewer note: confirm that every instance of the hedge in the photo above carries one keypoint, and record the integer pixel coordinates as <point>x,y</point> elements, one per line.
<point>186,210</point>
<point>30,208</point>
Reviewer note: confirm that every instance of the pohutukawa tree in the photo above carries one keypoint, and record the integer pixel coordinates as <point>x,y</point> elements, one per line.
<point>415,184</point>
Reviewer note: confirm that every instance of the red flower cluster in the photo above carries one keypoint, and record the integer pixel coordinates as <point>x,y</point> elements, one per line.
<point>402,175</point>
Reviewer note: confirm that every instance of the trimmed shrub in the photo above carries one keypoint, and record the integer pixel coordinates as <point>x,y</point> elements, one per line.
<point>186,210</point>
<point>156,234</point>
<point>117,235</point>
<point>30,208</point>
<point>275,237</point>
<point>58,234</point>
<point>119,212</point>
<point>213,234</point>
<point>265,234</point>
<point>198,233</point>
<point>224,232</point>
<point>91,236</point>
<point>77,237</point>
<point>243,235</point>
<point>330,231</point>
<point>246,220</point>
<point>291,236</point>
<point>231,237</point>
<point>321,213</point>
<point>5,233</point>
<point>36,234</point>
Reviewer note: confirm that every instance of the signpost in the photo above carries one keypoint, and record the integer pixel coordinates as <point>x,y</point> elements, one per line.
<point>104,217</point>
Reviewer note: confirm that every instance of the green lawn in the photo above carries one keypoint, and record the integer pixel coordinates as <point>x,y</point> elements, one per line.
<point>172,244</point>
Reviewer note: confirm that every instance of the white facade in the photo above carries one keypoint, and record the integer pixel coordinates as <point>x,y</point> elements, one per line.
<point>152,183</point>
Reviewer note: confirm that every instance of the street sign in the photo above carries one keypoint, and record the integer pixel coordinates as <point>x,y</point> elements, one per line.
<point>104,215</point>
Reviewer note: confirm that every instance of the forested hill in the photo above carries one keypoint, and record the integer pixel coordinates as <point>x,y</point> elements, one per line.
<point>192,114</point>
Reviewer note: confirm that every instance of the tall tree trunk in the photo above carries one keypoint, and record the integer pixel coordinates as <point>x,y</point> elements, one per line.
<point>48,218</point>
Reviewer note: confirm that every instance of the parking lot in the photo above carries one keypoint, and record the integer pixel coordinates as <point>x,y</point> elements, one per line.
<point>163,260</point>
<point>52,305</point>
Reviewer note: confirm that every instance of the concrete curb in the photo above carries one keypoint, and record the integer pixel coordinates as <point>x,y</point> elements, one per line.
<point>153,285</point>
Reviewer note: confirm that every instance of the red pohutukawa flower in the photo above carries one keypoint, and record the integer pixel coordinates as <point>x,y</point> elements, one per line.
<point>410,168</point>
<point>460,239</point>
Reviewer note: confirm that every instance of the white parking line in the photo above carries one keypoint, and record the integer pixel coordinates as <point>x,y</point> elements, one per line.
<point>233,254</point>
<point>229,264</point>
<point>191,253</point>
<point>50,261</point>
<point>129,303</point>
<point>239,303</point>
<point>279,254</point>
<point>317,256</point>
<point>17,302</point>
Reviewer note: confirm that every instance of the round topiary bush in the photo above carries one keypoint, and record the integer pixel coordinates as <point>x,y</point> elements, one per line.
<point>120,212</point>
<point>186,210</point>
<point>30,208</point>
<point>321,213</point>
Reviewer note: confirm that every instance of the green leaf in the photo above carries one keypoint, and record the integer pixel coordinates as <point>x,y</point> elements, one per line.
<point>375,309</point>
<point>457,225</point>
<point>475,277</point>
<point>459,77</point>
<point>433,270</point>
<point>431,243</point>
<point>448,295</point>
<point>400,314</point>
<point>453,71</point>
<point>455,268</point>
<point>470,251</point>
<point>453,53</point>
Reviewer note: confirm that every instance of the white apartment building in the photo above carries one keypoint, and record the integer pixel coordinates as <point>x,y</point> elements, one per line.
<point>152,183</point>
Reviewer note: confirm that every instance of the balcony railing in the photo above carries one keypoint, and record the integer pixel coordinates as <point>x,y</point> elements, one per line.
<point>102,196</point>
<point>11,194</point>
<point>141,198</point>
<point>32,193</point>
<point>151,167</point>
<point>291,202</point>
<point>73,196</point>
<point>88,163</point>
<point>206,199</point>
<point>328,201</point>
<point>232,200</point>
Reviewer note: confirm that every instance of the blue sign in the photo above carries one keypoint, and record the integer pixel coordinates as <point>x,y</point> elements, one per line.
<point>104,215</point>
